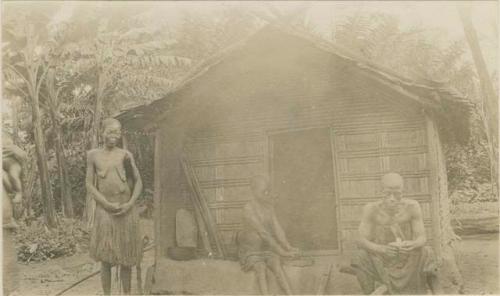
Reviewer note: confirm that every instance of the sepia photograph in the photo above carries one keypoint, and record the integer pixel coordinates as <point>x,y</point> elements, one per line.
<point>250,147</point>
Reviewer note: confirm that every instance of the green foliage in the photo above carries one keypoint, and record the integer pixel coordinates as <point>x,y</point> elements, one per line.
<point>468,169</point>
<point>37,243</point>
<point>467,210</point>
<point>379,38</point>
<point>200,36</point>
<point>128,57</point>
<point>468,166</point>
<point>414,53</point>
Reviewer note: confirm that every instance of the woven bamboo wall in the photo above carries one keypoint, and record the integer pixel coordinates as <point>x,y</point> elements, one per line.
<point>258,93</point>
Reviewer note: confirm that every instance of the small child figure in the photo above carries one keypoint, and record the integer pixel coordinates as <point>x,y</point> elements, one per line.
<point>262,241</point>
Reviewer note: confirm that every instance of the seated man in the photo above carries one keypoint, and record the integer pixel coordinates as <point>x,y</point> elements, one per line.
<point>12,159</point>
<point>392,244</point>
<point>262,240</point>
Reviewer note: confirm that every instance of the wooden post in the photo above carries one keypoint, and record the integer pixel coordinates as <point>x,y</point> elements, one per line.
<point>157,193</point>
<point>445,237</point>
<point>433,163</point>
<point>201,208</point>
<point>336,190</point>
<point>171,175</point>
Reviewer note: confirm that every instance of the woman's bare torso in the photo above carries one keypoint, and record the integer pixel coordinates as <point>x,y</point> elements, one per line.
<point>111,176</point>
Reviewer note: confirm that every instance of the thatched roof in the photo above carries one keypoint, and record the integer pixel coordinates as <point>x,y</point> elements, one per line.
<point>452,108</point>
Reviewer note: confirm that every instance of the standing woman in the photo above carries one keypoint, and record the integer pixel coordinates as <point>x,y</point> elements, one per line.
<point>114,181</point>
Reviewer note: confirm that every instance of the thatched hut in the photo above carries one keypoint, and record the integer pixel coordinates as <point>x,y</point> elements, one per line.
<point>323,125</point>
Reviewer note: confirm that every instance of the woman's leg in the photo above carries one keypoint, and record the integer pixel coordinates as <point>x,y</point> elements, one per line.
<point>260,271</point>
<point>106,278</point>
<point>274,264</point>
<point>125,276</point>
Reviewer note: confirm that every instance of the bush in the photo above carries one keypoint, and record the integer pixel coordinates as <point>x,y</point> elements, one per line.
<point>476,194</point>
<point>477,210</point>
<point>36,243</point>
<point>468,168</point>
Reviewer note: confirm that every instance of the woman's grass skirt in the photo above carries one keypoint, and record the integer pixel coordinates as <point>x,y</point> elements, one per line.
<point>116,239</point>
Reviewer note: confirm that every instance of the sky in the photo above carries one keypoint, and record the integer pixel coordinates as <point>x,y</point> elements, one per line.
<point>436,16</point>
<point>439,14</point>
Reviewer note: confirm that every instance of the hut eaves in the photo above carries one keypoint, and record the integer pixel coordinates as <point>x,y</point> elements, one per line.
<point>452,106</point>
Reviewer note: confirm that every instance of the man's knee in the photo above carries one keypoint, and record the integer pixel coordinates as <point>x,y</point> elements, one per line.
<point>430,265</point>
<point>360,257</point>
<point>274,262</point>
<point>259,266</point>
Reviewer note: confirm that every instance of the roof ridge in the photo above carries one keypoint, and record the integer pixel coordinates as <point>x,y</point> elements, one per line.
<point>439,89</point>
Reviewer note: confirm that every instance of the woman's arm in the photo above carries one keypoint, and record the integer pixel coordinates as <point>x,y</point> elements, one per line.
<point>137,178</point>
<point>280,233</point>
<point>89,182</point>
<point>254,222</point>
<point>129,160</point>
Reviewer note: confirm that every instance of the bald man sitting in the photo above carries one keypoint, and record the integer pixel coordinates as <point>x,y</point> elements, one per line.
<point>392,242</point>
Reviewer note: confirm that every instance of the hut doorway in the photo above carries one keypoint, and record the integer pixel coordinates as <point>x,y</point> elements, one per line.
<point>303,177</point>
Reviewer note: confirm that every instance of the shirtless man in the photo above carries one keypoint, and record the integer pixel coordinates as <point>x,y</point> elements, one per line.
<point>262,241</point>
<point>12,159</point>
<point>392,244</point>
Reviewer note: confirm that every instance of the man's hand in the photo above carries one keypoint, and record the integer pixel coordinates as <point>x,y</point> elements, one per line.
<point>290,252</point>
<point>123,209</point>
<point>408,246</point>
<point>390,251</point>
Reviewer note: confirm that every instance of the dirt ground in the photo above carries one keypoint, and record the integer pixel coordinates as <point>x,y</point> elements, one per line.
<point>478,262</point>
<point>477,255</point>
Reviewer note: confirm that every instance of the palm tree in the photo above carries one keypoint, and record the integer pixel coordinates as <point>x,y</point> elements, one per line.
<point>25,71</point>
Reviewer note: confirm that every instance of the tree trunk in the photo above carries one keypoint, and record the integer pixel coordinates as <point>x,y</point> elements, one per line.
<point>41,155</point>
<point>66,196</point>
<point>96,126</point>
<point>444,238</point>
<point>31,180</point>
<point>489,103</point>
<point>15,124</point>
<point>97,122</point>
<point>98,111</point>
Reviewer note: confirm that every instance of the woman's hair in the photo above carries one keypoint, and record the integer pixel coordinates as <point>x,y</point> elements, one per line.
<point>110,121</point>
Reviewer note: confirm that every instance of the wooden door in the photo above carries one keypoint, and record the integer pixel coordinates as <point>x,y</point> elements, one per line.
<point>302,173</point>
